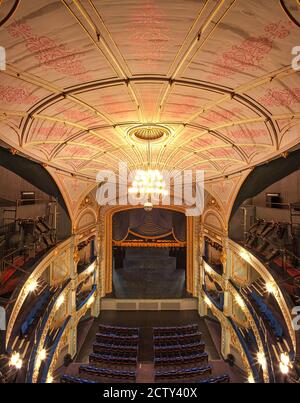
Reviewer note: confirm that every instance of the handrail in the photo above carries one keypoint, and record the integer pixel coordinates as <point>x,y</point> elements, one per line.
<point>82,303</point>
<point>34,275</point>
<point>53,349</point>
<point>38,332</point>
<point>219,306</point>
<point>223,318</point>
<point>263,271</point>
<point>246,350</point>
<point>261,329</point>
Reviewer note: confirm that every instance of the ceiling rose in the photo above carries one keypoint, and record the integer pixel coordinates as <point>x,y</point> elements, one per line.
<point>155,133</point>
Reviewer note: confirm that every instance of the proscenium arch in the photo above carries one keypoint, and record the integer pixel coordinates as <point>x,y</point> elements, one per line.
<point>108,244</point>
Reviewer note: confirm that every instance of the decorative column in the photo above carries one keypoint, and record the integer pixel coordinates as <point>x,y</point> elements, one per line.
<point>196,256</point>
<point>202,306</point>
<point>226,259</point>
<point>72,336</point>
<point>225,341</point>
<point>101,253</point>
<point>97,304</point>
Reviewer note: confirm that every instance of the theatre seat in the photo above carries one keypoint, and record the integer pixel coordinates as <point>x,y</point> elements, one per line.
<point>217,379</point>
<point>75,379</point>
<point>266,312</point>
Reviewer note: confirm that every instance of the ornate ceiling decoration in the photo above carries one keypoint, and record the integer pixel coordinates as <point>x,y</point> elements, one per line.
<point>150,133</point>
<point>81,76</point>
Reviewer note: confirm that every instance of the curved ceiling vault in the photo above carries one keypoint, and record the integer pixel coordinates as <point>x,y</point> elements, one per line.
<point>217,74</point>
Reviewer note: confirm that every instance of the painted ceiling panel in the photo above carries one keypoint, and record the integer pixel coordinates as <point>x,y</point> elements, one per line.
<point>252,39</point>
<point>81,76</point>
<point>149,33</point>
<point>114,101</point>
<point>185,101</point>
<point>58,52</point>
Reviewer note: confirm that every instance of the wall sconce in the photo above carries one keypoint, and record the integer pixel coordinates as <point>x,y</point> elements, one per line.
<point>16,360</point>
<point>261,359</point>
<point>31,286</point>
<point>271,288</point>
<point>284,364</point>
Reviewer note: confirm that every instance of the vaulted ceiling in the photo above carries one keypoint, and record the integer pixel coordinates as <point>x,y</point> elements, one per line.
<point>81,74</point>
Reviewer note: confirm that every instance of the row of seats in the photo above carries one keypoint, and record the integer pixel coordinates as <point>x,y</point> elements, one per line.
<point>178,330</point>
<point>113,359</point>
<point>202,371</point>
<point>181,359</point>
<point>178,343</point>
<point>115,350</point>
<point>34,315</point>
<point>268,315</point>
<point>119,331</point>
<point>75,379</point>
<point>107,372</point>
<point>102,337</point>
<point>181,337</point>
<point>179,356</point>
<point>102,348</point>
<point>217,379</point>
<point>179,348</point>
<point>117,343</point>
<point>114,355</point>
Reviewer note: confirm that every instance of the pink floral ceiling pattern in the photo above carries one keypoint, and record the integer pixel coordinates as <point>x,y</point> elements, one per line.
<point>72,92</point>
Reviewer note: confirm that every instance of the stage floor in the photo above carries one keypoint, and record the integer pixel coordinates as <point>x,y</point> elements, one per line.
<point>149,283</point>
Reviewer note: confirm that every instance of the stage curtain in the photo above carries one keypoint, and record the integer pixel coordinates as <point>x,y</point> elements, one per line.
<point>179,226</point>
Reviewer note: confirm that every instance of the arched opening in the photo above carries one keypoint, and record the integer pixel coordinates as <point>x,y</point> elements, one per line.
<point>149,254</point>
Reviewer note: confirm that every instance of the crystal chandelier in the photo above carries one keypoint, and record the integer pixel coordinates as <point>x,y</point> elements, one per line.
<point>149,184</point>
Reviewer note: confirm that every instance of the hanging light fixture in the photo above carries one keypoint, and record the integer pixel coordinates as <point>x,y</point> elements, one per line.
<point>148,184</point>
